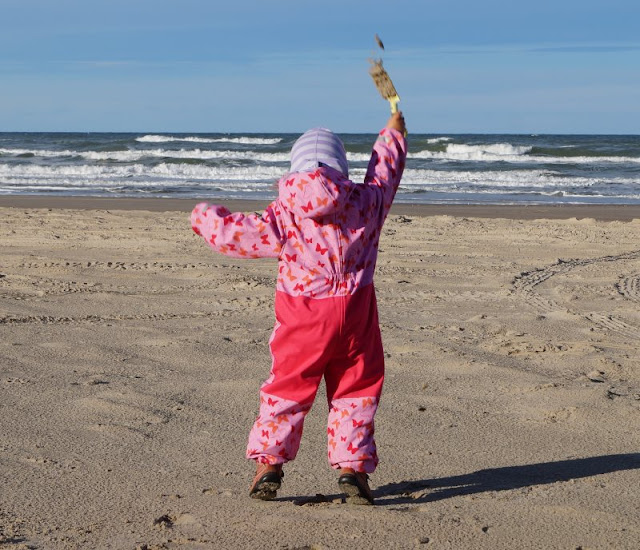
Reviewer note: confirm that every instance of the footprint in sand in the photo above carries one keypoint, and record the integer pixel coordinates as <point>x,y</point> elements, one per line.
<point>121,413</point>
<point>560,415</point>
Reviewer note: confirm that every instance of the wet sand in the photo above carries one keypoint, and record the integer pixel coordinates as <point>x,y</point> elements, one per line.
<point>513,212</point>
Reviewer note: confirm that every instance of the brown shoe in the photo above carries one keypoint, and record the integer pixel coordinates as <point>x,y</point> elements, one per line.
<point>266,482</point>
<point>356,486</point>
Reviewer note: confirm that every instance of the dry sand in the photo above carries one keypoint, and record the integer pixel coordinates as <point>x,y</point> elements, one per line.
<point>131,358</point>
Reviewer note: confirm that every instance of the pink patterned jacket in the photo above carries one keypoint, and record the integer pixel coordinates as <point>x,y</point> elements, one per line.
<point>323,228</point>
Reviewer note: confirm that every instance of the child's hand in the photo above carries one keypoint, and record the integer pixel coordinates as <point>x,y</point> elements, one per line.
<point>397,123</point>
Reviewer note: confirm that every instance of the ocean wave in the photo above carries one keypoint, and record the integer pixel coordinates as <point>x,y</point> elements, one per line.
<point>507,152</point>
<point>136,155</point>
<point>258,173</point>
<point>28,153</point>
<point>512,179</point>
<point>147,188</point>
<point>470,196</point>
<point>200,154</point>
<point>245,140</point>
<point>165,170</point>
<point>358,157</point>
<point>454,152</point>
<point>258,181</point>
<point>488,152</point>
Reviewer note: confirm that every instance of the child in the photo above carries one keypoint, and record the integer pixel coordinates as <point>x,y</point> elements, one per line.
<point>324,230</point>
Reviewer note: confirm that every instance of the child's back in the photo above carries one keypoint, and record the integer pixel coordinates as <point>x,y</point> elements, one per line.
<point>323,227</point>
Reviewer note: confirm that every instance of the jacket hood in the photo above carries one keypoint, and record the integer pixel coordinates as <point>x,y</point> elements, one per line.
<point>319,147</point>
<point>315,194</point>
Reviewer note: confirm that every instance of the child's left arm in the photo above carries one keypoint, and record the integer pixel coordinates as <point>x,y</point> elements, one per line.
<point>237,234</point>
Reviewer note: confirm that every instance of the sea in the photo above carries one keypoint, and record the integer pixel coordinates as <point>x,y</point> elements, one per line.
<point>441,168</point>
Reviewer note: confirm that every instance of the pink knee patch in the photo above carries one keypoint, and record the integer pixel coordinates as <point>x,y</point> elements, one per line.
<point>350,434</point>
<point>275,436</point>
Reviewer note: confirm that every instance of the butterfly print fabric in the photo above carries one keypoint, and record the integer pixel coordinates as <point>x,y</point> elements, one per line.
<point>324,229</point>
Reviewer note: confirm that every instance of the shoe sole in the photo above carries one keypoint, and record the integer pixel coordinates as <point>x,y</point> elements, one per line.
<point>354,496</point>
<point>266,491</point>
<point>266,488</point>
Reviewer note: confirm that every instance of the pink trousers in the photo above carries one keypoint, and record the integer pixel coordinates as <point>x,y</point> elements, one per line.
<point>337,338</point>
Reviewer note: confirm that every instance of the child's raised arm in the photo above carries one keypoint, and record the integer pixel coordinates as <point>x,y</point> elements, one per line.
<point>396,121</point>
<point>388,159</point>
<point>237,234</point>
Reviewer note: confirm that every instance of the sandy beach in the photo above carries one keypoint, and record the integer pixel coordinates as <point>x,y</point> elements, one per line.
<point>131,357</point>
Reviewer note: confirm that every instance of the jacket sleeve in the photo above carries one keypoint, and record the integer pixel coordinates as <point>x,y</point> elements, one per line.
<point>387,164</point>
<point>237,234</point>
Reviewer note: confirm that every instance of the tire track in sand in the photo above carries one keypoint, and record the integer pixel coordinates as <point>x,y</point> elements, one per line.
<point>93,319</point>
<point>525,285</point>
<point>629,287</point>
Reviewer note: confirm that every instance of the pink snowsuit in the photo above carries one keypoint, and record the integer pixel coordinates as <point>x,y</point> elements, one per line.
<point>324,229</point>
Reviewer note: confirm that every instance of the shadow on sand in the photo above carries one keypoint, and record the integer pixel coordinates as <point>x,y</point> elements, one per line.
<point>503,479</point>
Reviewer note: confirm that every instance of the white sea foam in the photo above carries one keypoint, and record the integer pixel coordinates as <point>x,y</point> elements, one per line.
<point>358,157</point>
<point>422,178</point>
<point>489,152</point>
<point>38,152</point>
<point>239,189</point>
<point>512,179</point>
<point>155,139</point>
<point>252,180</point>
<point>198,154</point>
<point>438,140</point>
<point>182,172</point>
<point>504,152</point>
<point>133,156</point>
<point>497,149</point>
<point>244,140</point>
<point>258,173</point>
<point>507,152</point>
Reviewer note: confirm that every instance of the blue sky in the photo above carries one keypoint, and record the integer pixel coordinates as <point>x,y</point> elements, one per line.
<point>558,66</point>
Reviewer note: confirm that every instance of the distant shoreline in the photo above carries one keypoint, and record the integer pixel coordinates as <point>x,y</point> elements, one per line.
<point>602,212</point>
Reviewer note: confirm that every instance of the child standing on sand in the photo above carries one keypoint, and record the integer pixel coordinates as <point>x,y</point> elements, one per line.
<point>324,230</point>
